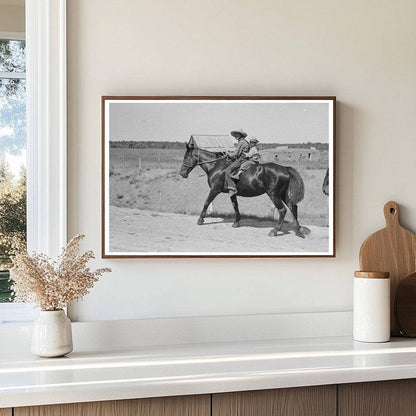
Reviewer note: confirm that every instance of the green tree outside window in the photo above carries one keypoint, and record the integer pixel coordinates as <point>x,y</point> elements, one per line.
<point>12,146</point>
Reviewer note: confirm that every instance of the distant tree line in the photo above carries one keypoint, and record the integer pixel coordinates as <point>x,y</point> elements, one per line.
<point>148,144</point>
<point>308,145</point>
<point>152,144</point>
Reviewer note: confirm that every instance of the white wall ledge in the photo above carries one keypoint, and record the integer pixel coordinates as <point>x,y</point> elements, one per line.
<point>203,329</point>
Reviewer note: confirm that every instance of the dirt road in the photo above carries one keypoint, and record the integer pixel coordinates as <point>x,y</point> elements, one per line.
<point>134,230</point>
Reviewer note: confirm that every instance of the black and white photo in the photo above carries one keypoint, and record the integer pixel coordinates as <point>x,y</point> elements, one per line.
<point>218,176</point>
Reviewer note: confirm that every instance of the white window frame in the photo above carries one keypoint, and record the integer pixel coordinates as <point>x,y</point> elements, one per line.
<point>14,312</point>
<point>46,127</point>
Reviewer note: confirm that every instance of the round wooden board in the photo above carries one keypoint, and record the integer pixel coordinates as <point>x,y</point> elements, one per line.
<point>393,250</point>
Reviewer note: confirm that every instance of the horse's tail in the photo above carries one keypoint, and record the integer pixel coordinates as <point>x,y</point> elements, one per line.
<point>296,189</point>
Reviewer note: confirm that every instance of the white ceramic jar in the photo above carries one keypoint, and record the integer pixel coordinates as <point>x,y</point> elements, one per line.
<point>52,334</point>
<point>371,305</point>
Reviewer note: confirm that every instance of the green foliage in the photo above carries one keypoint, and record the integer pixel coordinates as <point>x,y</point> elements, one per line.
<point>12,55</point>
<point>12,223</point>
<point>12,213</point>
<point>5,292</point>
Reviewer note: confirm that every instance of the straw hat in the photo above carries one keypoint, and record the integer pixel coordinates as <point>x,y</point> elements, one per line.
<point>239,132</point>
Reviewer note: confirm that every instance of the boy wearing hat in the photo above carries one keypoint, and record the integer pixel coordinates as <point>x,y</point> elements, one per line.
<point>238,156</point>
<point>252,156</point>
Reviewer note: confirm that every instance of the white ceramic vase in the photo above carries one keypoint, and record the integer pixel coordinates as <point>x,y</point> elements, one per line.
<point>52,334</point>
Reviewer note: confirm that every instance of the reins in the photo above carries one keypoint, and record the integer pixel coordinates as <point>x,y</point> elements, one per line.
<point>203,162</point>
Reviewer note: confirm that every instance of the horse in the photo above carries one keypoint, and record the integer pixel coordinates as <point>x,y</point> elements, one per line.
<point>282,184</point>
<point>325,184</point>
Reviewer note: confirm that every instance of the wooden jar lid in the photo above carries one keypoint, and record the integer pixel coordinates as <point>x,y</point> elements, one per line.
<point>372,275</point>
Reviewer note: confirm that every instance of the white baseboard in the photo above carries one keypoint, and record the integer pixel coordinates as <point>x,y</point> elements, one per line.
<point>146,332</point>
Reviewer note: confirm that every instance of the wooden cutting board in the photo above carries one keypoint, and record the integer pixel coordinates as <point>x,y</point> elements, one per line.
<point>405,306</point>
<point>393,250</point>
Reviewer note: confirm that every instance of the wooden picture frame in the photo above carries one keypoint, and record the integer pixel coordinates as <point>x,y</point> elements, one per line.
<point>149,210</point>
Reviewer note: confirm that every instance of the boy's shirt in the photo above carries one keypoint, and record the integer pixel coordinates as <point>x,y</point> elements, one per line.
<point>253,154</point>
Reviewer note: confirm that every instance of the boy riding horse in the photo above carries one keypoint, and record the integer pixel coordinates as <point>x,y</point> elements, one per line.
<point>238,156</point>
<point>252,158</point>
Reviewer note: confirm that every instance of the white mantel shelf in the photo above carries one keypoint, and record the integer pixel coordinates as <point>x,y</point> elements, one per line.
<point>152,371</point>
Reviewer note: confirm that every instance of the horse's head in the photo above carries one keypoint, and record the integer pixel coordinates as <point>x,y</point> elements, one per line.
<point>189,161</point>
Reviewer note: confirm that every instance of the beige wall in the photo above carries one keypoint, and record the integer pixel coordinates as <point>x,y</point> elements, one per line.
<point>12,18</point>
<point>361,51</point>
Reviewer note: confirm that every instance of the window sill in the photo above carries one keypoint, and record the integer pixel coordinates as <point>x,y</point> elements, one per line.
<point>16,313</point>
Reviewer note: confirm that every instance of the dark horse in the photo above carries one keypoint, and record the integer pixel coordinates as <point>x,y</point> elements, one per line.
<point>282,184</point>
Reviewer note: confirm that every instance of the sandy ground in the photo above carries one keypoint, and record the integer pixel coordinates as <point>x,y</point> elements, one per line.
<point>135,230</point>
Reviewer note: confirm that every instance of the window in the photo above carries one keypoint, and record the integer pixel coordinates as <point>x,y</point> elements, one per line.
<point>45,27</point>
<point>12,154</point>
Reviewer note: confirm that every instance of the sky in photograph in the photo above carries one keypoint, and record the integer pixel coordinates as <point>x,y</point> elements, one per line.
<point>270,122</point>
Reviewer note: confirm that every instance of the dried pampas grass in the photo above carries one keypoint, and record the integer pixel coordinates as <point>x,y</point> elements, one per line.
<point>53,285</point>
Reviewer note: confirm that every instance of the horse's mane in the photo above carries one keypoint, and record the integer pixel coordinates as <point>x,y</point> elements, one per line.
<point>213,153</point>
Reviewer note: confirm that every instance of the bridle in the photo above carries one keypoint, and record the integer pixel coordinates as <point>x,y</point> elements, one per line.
<point>202,162</point>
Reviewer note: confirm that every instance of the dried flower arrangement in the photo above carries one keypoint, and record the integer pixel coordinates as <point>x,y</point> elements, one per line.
<point>53,285</point>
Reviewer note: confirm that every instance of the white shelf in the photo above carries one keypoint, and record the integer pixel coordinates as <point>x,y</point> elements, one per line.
<point>151,371</point>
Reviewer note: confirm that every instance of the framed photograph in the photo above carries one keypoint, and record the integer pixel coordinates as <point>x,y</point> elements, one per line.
<point>218,177</point>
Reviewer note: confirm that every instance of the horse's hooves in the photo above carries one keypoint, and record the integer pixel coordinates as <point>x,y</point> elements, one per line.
<point>273,233</point>
<point>236,224</point>
<point>200,221</point>
<point>298,230</point>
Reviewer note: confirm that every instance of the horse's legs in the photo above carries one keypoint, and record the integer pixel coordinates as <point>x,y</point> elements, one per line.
<point>282,213</point>
<point>294,210</point>
<point>237,211</point>
<point>211,196</point>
